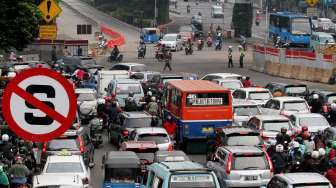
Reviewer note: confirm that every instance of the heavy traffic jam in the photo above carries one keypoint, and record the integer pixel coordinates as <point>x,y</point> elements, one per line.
<point>278,135</point>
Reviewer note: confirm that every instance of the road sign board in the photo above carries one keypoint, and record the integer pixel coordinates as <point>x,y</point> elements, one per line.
<point>312,2</point>
<point>50,9</point>
<point>48,32</point>
<point>39,104</point>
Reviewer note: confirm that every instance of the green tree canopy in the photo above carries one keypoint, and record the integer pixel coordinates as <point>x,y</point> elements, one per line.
<point>19,21</point>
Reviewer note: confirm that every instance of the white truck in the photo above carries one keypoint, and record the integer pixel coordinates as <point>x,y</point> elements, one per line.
<point>106,76</point>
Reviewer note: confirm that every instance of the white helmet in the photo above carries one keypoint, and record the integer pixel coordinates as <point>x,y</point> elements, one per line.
<point>279,148</point>
<point>296,144</point>
<point>149,93</point>
<point>101,101</point>
<point>315,154</point>
<point>153,99</point>
<point>5,137</point>
<point>315,96</point>
<point>322,152</point>
<point>333,106</point>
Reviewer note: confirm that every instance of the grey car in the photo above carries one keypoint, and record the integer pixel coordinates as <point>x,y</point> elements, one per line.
<point>291,180</point>
<point>243,110</point>
<point>241,166</point>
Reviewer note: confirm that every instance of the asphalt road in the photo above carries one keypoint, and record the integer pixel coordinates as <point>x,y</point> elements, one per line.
<point>201,62</point>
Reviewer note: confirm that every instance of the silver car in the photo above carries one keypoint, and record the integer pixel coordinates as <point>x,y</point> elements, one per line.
<point>157,134</point>
<point>244,110</point>
<point>313,121</point>
<point>286,106</point>
<point>300,180</point>
<point>241,166</point>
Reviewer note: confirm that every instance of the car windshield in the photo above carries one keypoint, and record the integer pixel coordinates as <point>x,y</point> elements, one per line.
<point>275,126</point>
<point>64,167</point>
<point>157,138</point>
<point>243,140</point>
<point>138,122</point>
<point>331,99</point>
<point>217,9</point>
<point>126,175</point>
<point>295,106</point>
<point>169,38</point>
<point>249,162</point>
<point>125,88</point>
<point>232,85</point>
<point>165,80</point>
<point>192,181</point>
<point>301,26</point>
<point>138,68</point>
<point>63,144</point>
<point>246,111</point>
<point>259,95</point>
<point>313,122</point>
<point>312,185</point>
<point>295,90</point>
<point>86,97</point>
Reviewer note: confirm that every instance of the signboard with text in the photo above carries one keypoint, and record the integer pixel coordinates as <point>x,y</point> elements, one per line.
<point>48,32</point>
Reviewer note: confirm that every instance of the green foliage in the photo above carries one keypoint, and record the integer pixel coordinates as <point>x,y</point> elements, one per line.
<point>19,21</point>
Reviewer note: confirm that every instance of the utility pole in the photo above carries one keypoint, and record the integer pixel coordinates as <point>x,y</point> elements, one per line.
<point>267,23</point>
<point>155,13</point>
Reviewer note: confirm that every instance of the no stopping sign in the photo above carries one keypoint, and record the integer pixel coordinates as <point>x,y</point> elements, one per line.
<point>39,104</point>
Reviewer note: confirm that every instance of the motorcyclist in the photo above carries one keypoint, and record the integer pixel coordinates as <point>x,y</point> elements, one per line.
<point>332,153</point>
<point>311,165</point>
<point>153,107</point>
<point>316,104</point>
<point>114,53</point>
<point>271,149</point>
<point>332,114</point>
<point>247,82</point>
<point>331,174</point>
<point>189,45</point>
<point>283,138</point>
<point>6,147</point>
<point>142,46</point>
<point>279,159</point>
<point>295,154</point>
<point>19,173</point>
<point>130,103</point>
<point>170,126</point>
<point>324,162</point>
<point>114,111</point>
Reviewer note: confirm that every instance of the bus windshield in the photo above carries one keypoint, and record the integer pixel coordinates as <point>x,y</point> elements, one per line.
<point>301,26</point>
<point>207,99</point>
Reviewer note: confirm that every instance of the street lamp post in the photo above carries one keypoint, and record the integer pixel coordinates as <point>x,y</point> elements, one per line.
<point>266,25</point>
<point>155,13</point>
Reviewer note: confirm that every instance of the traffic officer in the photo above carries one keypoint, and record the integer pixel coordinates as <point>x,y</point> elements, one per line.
<point>241,57</point>
<point>230,63</point>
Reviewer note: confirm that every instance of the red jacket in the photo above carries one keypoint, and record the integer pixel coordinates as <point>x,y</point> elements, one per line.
<point>331,176</point>
<point>170,127</point>
<point>247,83</point>
<point>332,154</point>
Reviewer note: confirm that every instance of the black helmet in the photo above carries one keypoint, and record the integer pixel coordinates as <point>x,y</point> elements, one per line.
<point>283,130</point>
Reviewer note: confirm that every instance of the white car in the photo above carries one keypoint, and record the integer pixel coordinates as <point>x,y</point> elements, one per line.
<point>59,181</point>
<point>231,84</point>
<point>172,42</point>
<point>130,67</point>
<point>213,76</point>
<point>286,106</point>
<point>313,121</point>
<point>72,165</point>
<point>86,102</point>
<point>157,134</point>
<point>255,94</point>
<point>244,110</point>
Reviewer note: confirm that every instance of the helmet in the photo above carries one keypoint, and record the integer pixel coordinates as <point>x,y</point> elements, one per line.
<point>296,144</point>
<point>304,128</point>
<point>11,69</point>
<point>315,154</point>
<point>244,78</point>
<point>315,96</point>
<point>5,137</point>
<point>279,148</point>
<point>283,130</point>
<point>299,140</point>
<point>149,93</point>
<point>322,152</point>
<point>101,101</point>
<point>153,99</point>
<point>333,144</point>
<point>333,106</point>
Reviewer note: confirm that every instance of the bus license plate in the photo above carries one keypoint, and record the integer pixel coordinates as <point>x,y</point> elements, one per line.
<point>251,178</point>
<point>207,130</point>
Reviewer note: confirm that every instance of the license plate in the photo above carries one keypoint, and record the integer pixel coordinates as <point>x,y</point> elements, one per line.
<point>207,129</point>
<point>251,178</point>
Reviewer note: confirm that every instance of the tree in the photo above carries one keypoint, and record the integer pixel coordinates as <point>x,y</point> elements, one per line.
<point>19,21</point>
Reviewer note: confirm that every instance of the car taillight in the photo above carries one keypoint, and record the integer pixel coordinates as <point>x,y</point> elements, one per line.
<point>270,164</point>
<point>125,132</point>
<point>325,108</point>
<point>44,148</point>
<point>228,164</point>
<point>170,147</point>
<point>85,180</point>
<point>81,145</point>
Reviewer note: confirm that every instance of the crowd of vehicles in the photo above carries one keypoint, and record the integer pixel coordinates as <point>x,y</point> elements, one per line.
<point>156,119</point>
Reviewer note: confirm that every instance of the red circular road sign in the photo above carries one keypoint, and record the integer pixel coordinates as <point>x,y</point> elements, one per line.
<point>39,104</point>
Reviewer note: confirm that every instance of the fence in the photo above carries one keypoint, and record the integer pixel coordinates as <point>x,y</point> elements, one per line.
<point>303,65</point>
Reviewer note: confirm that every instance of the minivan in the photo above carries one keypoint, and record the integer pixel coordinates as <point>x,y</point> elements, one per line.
<point>217,12</point>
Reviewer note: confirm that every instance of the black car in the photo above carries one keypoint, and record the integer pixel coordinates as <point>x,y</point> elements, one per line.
<point>157,83</point>
<point>299,90</point>
<point>70,64</point>
<point>72,142</point>
<point>125,123</point>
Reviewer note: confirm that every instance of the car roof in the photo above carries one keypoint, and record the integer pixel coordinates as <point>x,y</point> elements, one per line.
<point>243,149</point>
<point>196,86</point>
<point>301,115</point>
<point>322,34</point>
<point>139,144</point>
<point>241,102</point>
<point>227,80</point>
<point>130,64</point>
<point>254,89</point>
<point>237,129</point>
<point>149,130</point>
<point>126,80</point>
<point>85,90</point>
<point>303,177</point>
<point>224,74</point>
<point>285,99</point>
<point>136,114</point>
<point>57,179</point>
<point>112,72</point>
<point>62,159</point>
<point>271,117</point>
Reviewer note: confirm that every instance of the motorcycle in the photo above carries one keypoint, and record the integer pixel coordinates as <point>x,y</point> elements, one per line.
<point>200,44</point>
<point>96,131</point>
<point>118,58</point>
<point>209,42</point>
<point>160,56</point>
<point>188,50</point>
<point>218,45</point>
<point>141,53</point>
<point>243,42</point>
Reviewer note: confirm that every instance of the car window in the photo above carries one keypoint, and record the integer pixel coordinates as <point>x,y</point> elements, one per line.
<point>331,99</point>
<point>310,185</point>
<point>246,111</point>
<point>120,67</point>
<point>138,68</point>
<point>86,97</point>
<point>249,162</point>
<point>157,182</point>
<point>210,78</point>
<point>138,76</point>
<point>61,144</point>
<point>126,88</point>
<point>277,183</point>
<point>238,94</point>
<point>64,167</point>
<point>295,106</point>
<point>157,138</point>
<point>138,122</point>
<point>120,174</point>
<point>232,85</point>
<point>244,140</point>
